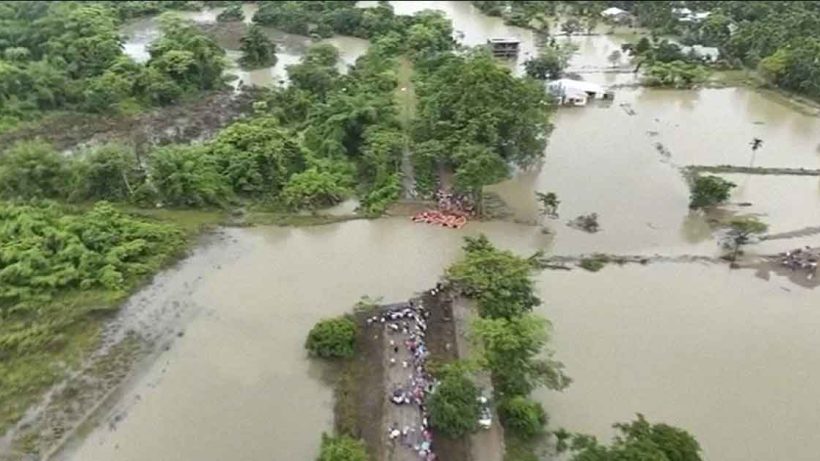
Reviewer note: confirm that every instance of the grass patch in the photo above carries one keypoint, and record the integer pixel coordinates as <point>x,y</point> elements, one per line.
<point>518,449</point>
<point>192,221</point>
<point>263,218</point>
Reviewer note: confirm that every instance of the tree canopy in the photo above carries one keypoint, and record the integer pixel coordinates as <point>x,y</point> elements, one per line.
<point>332,338</point>
<point>709,191</point>
<point>257,49</point>
<point>453,405</point>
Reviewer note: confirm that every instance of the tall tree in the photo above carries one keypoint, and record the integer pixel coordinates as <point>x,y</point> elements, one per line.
<point>257,49</point>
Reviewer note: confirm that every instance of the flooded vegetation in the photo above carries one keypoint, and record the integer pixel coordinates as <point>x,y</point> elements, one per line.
<point>208,360</point>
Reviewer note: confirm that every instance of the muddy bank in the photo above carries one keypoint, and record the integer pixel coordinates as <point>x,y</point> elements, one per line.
<point>192,120</point>
<point>145,325</point>
<point>695,169</point>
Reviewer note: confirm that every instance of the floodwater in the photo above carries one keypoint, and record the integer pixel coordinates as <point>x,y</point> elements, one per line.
<point>725,354</point>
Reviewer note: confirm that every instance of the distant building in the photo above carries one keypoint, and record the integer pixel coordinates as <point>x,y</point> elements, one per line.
<point>570,92</point>
<point>687,15</point>
<point>504,47</point>
<point>616,15</point>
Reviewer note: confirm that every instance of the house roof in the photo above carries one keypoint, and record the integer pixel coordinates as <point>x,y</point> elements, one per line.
<point>570,86</point>
<point>702,51</point>
<point>503,40</point>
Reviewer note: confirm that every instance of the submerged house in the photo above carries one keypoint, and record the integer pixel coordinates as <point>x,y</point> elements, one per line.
<point>504,47</point>
<point>570,92</point>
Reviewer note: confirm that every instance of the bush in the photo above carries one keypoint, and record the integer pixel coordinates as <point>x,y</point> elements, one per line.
<point>314,189</point>
<point>341,448</point>
<point>454,407</point>
<point>523,416</point>
<point>709,191</point>
<point>332,338</point>
<point>33,169</point>
<point>187,176</point>
<point>110,172</point>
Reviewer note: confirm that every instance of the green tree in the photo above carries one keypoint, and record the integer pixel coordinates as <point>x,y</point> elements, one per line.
<point>316,73</point>
<point>638,440</point>
<point>676,74</point>
<point>332,338</point>
<point>508,350</point>
<point>478,167</point>
<point>257,156</point>
<point>549,203</point>
<point>185,54</point>
<point>313,189</point>
<point>188,176</point>
<point>550,63</point>
<point>571,26</point>
<point>232,12</point>
<point>709,191</point>
<point>740,233</point>
<point>257,49</point>
<point>33,169</point>
<point>110,172</point>
<point>525,417</point>
<point>454,407</point>
<point>341,448</point>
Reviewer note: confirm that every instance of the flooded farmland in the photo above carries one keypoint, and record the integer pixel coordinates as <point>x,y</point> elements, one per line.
<point>721,352</point>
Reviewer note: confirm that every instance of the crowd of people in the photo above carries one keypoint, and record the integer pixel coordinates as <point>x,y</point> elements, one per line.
<point>453,203</point>
<point>804,259</point>
<point>406,327</point>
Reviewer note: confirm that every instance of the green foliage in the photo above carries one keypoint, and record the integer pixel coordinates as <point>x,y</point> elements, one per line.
<point>314,188</point>
<point>453,405</point>
<point>473,105</point>
<point>709,191</point>
<point>317,72</point>
<point>637,440</point>
<point>33,169</point>
<point>188,177</point>
<point>676,74</point>
<point>741,230</point>
<point>523,416</point>
<point>257,49</point>
<point>332,338</point>
<point>186,55</point>
<point>571,26</point>
<point>45,252</point>
<point>509,350</point>
<point>550,62</point>
<point>594,263</point>
<point>342,448</point>
<point>257,156</point>
<point>499,280</point>
<point>232,13</point>
<point>110,172</point>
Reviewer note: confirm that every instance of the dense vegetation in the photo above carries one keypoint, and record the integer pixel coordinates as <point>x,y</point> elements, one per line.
<point>638,440</point>
<point>257,49</point>
<point>57,268</point>
<point>454,406</point>
<point>478,119</point>
<point>341,448</point>
<point>332,338</point>
<point>780,39</point>
<point>511,339</point>
<point>68,56</point>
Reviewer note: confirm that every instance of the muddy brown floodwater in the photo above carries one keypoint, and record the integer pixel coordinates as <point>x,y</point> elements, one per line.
<point>726,354</point>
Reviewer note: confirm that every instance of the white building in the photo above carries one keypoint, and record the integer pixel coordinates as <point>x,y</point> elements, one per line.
<point>706,53</point>
<point>616,14</point>
<point>576,92</point>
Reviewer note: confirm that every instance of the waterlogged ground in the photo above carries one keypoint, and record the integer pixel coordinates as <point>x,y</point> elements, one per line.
<point>724,353</point>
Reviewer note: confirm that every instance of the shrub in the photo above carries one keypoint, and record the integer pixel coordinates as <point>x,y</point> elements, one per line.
<point>454,406</point>
<point>33,169</point>
<point>709,191</point>
<point>332,338</point>
<point>341,448</point>
<point>522,415</point>
<point>314,189</point>
<point>110,172</point>
<point>187,176</point>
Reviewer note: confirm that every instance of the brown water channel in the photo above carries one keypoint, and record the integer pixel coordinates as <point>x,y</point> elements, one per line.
<point>731,357</point>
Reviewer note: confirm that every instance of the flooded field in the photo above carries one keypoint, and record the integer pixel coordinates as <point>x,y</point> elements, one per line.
<point>725,354</point>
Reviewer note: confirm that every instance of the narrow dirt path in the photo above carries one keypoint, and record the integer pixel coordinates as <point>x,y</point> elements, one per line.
<point>406,100</point>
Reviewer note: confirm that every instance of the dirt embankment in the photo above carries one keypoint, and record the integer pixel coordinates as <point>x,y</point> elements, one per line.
<point>361,407</point>
<point>195,119</point>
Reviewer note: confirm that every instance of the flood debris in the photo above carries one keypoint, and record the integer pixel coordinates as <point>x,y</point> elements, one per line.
<point>802,260</point>
<point>587,223</point>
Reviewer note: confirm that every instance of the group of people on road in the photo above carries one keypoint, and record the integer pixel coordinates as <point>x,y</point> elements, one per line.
<point>406,326</point>
<point>804,259</point>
